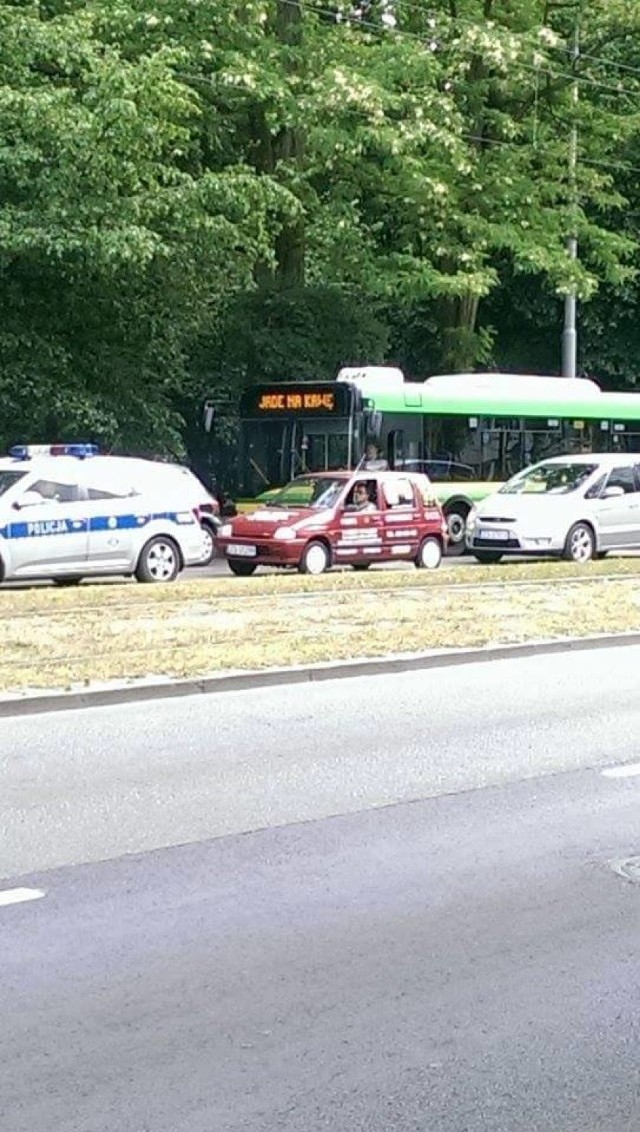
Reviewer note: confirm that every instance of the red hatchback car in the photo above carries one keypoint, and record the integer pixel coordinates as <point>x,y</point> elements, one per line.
<point>322,520</point>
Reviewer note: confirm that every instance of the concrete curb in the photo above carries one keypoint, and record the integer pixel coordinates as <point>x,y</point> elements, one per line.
<point>34,703</point>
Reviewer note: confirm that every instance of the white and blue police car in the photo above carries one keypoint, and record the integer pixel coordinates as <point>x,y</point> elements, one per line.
<point>67,512</point>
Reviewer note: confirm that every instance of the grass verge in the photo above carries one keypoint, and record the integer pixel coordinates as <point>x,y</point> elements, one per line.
<point>57,639</point>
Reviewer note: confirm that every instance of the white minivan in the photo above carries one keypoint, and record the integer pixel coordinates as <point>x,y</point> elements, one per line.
<point>67,513</point>
<point>574,507</point>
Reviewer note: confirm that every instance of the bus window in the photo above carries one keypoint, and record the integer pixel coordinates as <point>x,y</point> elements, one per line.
<point>625,437</point>
<point>579,436</point>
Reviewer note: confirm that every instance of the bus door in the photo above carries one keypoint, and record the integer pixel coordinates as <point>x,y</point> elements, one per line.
<point>265,455</point>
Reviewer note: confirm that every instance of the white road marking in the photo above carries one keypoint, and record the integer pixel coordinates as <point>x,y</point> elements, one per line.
<point>19,895</point>
<point>628,771</point>
<point>628,868</point>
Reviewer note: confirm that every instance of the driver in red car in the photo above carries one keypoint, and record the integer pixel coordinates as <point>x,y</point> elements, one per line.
<point>360,500</point>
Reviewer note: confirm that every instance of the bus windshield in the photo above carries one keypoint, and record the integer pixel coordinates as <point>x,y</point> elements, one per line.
<point>549,479</point>
<point>309,491</point>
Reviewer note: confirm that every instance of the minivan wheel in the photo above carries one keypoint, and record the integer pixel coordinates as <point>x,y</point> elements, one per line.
<point>159,561</point>
<point>487,557</point>
<point>315,559</point>
<point>580,545</point>
<point>430,554</point>
<point>241,569</point>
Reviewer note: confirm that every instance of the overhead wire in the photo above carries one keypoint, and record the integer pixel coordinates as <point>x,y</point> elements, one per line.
<point>319,9</point>
<point>570,76</point>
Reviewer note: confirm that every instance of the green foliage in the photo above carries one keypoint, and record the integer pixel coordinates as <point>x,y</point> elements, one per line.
<point>198,193</point>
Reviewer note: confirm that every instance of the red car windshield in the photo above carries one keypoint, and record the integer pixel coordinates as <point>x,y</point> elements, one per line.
<point>309,491</point>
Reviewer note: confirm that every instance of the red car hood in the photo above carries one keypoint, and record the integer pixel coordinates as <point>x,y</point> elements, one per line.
<point>262,523</point>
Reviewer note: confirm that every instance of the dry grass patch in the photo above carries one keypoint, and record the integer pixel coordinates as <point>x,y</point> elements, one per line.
<point>101,633</point>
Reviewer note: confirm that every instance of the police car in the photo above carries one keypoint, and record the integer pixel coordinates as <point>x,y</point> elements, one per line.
<point>67,512</point>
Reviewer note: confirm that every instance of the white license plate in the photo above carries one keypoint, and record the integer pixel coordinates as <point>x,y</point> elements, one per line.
<point>495,536</point>
<point>241,550</point>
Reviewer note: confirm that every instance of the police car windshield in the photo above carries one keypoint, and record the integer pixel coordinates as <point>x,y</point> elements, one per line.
<point>8,478</point>
<point>309,491</point>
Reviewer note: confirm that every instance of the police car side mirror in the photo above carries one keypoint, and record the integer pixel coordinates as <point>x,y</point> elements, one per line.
<point>29,499</point>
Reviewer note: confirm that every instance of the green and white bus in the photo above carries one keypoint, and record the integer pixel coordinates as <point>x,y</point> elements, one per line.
<point>469,432</point>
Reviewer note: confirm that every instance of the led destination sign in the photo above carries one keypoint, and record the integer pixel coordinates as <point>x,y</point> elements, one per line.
<point>290,402</point>
<point>308,399</point>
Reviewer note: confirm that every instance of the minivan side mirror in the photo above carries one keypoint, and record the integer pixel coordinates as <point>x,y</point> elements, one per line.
<point>612,492</point>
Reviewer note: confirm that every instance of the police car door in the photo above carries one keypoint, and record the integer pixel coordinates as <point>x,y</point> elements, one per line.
<point>115,515</point>
<point>48,532</point>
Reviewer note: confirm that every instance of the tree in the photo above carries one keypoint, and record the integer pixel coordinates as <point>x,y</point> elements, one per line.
<point>111,248</point>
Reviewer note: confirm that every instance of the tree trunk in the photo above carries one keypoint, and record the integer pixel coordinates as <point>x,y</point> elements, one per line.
<point>459,344</point>
<point>286,146</point>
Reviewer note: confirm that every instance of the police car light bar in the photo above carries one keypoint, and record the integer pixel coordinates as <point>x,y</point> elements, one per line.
<point>26,451</point>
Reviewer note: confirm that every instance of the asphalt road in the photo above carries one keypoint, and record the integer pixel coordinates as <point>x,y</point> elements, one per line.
<point>389,905</point>
<point>219,567</point>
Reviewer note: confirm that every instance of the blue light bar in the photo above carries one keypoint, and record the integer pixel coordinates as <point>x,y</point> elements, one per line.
<point>26,451</point>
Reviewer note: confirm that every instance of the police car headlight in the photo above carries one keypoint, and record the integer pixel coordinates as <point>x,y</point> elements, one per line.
<point>226,530</point>
<point>285,533</point>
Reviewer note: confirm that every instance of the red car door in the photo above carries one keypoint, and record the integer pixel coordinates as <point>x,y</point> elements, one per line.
<point>358,533</point>
<point>401,518</point>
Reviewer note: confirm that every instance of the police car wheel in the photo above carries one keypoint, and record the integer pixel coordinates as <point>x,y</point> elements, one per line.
<point>75,581</point>
<point>208,545</point>
<point>159,561</point>
<point>430,554</point>
<point>315,559</point>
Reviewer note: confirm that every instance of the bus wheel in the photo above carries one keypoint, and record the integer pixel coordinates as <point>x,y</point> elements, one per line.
<point>457,526</point>
<point>241,569</point>
<point>315,559</point>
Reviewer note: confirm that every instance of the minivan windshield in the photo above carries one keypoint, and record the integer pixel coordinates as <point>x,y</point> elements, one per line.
<point>309,491</point>
<point>8,477</point>
<point>549,479</point>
